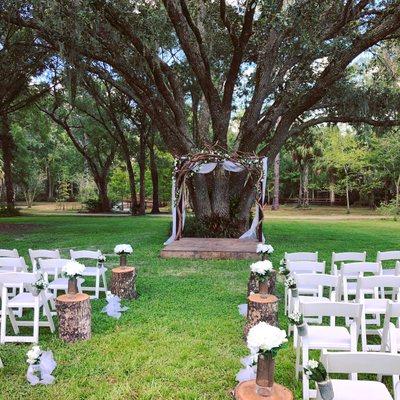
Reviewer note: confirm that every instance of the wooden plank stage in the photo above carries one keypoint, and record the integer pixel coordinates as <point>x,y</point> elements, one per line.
<point>211,248</point>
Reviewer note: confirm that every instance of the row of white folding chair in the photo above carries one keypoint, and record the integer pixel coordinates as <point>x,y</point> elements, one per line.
<point>99,273</point>
<point>24,299</point>
<point>331,337</point>
<point>354,363</point>
<point>9,253</point>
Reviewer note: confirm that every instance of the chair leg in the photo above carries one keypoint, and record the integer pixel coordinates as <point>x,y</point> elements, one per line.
<point>286,300</point>
<point>47,311</point>
<point>13,321</point>
<point>97,286</point>
<point>1,364</point>
<point>298,349</point>
<point>36,314</point>
<point>306,388</point>
<point>103,275</point>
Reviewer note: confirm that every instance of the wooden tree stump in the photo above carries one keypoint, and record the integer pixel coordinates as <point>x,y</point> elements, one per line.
<point>247,391</point>
<point>261,309</point>
<point>252,285</point>
<point>123,282</point>
<point>74,317</point>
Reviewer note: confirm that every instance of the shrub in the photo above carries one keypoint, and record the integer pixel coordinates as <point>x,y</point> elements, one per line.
<point>390,209</point>
<point>9,212</point>
<point>92,205</point>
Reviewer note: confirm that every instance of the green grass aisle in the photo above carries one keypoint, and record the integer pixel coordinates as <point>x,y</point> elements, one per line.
<point>182,339</point>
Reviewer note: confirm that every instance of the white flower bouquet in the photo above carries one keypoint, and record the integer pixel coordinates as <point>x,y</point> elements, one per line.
<point>73,269</point>
<point>123,250</point>
<point>41,366</point>
<point>283,270</point>
<point>265,339</point>
<point>298,320</point>
<point>101,259</point>
<point>290,282</point>
<point>316,372</point>
<point>262,269</point>
<point>264,249</point>
<point>39,285</point>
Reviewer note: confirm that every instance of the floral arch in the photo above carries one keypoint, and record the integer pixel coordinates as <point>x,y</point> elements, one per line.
<point>205,162</point>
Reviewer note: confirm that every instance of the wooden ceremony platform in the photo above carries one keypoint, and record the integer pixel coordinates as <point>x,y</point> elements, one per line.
<point>211,248</point>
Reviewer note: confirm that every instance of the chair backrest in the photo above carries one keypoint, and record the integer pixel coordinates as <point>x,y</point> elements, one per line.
<point>323,280</point>
<point>12,264</point>
<point>332,309</point>
<point>52,266</point>
<point>88,254</point>
<point>356,269</point>
<point>368,283</point>
<point>303,267</point>
<point>11,279</point>
<point>388,256</point>
<point>34,255</point>
<point>361,362</point>
<point>348,256</point>
<point>9,253</point>
<point>301,256</point>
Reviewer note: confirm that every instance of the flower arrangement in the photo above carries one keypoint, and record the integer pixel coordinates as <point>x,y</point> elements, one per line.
<point>123,250</point>
<point>298,320</point>
<point>264,250</point>
<point>41,366</point>
<point>33,355</point>
<point>262,269</point>
<point>265,339</point>
<point>284,271</point>
<point>73,269</point>
<point>39,285</point>
<point>290,283</point>
<point>101,259</point>
<point>316,372</point>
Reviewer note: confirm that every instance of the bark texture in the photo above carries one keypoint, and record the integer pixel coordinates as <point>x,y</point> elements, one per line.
<point>7,147</point>
<point>259,310</point>
<point>123,282</point>
<point>74,317</point>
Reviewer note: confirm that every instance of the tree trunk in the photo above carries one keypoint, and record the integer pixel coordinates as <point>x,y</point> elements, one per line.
<point>398,192</point>
<point>104,202</point>
<point>131,175</point>
<point>142,172</point>
<point>306,200</point>
<point>347,195</point>
<point>332,195</point>
<point>275,201</point>
<point>300,198</point>
<point>7,147</point>
<point>154,177</point>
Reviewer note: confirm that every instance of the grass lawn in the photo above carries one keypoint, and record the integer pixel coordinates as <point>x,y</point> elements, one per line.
<point>182,339</point>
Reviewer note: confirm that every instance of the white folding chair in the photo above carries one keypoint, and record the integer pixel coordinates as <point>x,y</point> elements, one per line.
<point>356,363</point>
<point>330,337</point>
<point>51,268</point>
<point>34,255</point>
<point>383,256</point>
<point>303,267</point>
<point>9,253</point>
<point>95,272</point>
<point>22,300</point>
<point>391,332</point>
<point>301,256</point>
<point>374,305</point>
<point>317,282</point>
<point>346,257</point>
<point>13,264</point>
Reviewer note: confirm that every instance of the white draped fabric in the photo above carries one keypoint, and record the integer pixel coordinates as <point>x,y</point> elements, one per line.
<point>206,168</point>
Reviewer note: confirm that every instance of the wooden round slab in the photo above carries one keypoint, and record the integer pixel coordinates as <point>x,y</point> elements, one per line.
<point>261,309</point>
<point>123,282</point>
<point>247,391</point>
<point>74,317</point>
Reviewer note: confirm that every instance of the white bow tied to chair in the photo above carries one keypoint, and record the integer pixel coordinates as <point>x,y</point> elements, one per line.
<point>113,307</point>
<point>42,373</point>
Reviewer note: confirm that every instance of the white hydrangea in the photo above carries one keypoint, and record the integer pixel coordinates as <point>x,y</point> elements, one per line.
<point>73,269</point>
<point>290,282</point>
<point>265,248</point>
<point>33,354</point>
<point>264,337</point>
<point>312,364</point>
<point>101,258</point>
<point>295,317</point>
<point>261,267</point>
<point>123,249</point>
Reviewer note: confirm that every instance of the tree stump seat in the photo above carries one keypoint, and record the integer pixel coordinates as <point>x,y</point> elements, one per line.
<point>74,316</point>
<point>123,282</point>
<point>247,391</point>
<point>261,309</point>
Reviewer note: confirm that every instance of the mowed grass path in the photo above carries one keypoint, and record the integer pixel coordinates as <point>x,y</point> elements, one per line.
<point>182,339</point>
